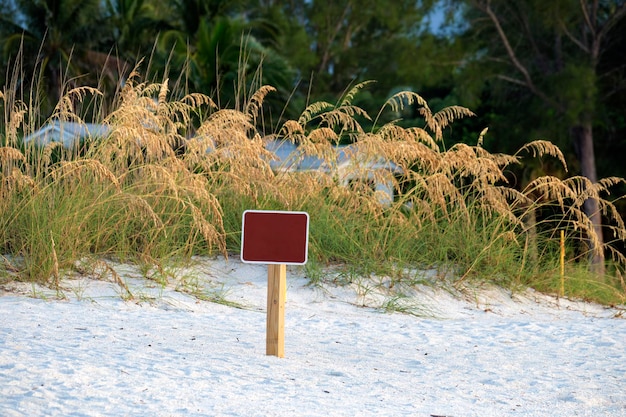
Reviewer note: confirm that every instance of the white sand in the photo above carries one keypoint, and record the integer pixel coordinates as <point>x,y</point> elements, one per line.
<point>166,353</point>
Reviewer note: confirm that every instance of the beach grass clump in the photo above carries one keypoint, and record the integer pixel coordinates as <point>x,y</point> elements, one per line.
<point>172,177</point>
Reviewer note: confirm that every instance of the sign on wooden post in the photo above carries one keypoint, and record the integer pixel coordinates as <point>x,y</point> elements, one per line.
<point>276,238</point>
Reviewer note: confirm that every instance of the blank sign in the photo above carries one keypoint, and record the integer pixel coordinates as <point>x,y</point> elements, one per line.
<point>275,237</point>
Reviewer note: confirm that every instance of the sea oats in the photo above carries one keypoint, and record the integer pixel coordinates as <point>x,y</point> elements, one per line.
<point>175,174</point>
<point>540,148</point>
<point>255,102</point>
<point>9,155</point>
<point>65,109</point>
<point>314,110</point>
<point>15,183</point>
<point>16,118</point>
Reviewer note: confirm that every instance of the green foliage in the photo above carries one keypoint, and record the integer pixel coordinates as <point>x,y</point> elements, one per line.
<point>577,84</point>
<point>55,41</point>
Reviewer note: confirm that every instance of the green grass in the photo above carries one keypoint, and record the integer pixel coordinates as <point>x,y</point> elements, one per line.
<point>138,201</point>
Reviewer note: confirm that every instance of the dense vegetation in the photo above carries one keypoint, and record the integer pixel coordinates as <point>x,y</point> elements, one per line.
<point>225,78</point>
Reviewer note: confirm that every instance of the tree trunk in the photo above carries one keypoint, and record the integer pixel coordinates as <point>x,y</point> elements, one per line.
<point>583,138</point>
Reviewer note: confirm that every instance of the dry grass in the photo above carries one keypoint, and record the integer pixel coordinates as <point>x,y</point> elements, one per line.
<point>173,177</point>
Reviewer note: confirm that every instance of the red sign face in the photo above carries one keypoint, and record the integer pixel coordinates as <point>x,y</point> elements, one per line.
<point>275,237</point>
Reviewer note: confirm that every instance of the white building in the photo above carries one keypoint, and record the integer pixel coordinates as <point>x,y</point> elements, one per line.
<point>377,173</point>
<point>68,133</point>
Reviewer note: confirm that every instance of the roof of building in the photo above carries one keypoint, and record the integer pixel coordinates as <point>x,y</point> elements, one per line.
<point>290,158</point>
<point>66,132</point>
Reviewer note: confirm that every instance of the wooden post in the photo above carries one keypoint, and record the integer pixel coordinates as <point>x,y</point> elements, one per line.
<point>562,262</point>
<point>276,291</point>
<point>278,239</point>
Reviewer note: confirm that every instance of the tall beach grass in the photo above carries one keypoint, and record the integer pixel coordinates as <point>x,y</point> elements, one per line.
<point>173,177</point>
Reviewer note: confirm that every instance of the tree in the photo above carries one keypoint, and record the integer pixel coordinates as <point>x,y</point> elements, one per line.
<point>134,25</point>
<point>554,52</point>
<point>335,43</point>
<point>59,42</point>
<point>226,53</point>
